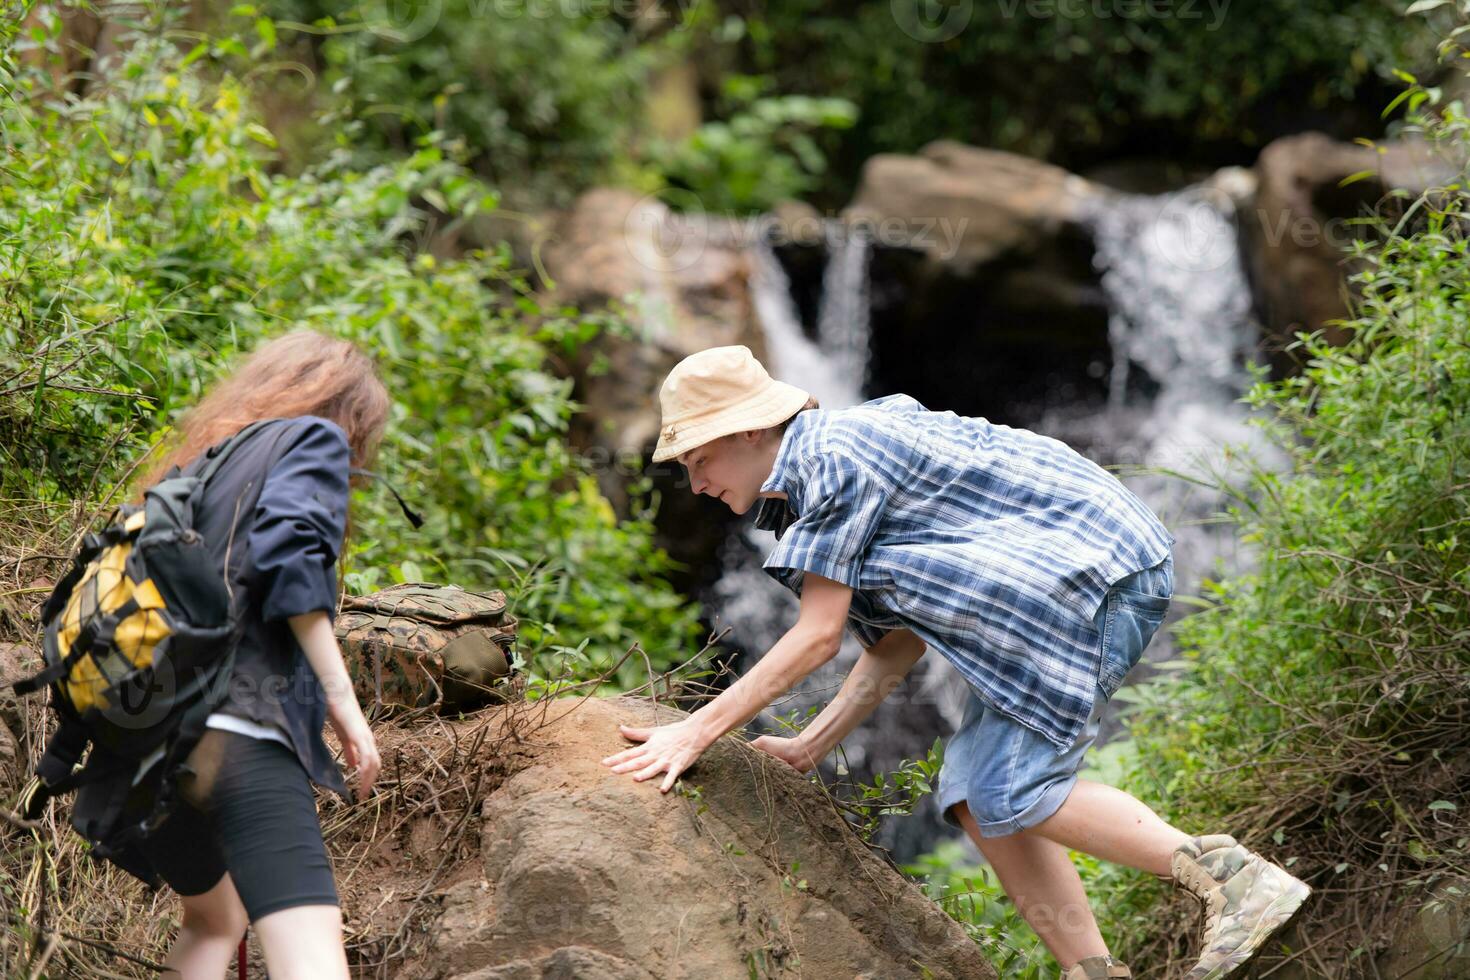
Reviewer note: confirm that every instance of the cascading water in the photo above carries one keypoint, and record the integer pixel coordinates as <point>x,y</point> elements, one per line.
<point>842,321</point>
<point>1181,311</point>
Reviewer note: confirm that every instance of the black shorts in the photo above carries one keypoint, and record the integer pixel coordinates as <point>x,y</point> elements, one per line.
<point>258,822</point>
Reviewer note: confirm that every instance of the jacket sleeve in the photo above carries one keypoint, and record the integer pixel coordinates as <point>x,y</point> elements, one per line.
<point>300,521</point>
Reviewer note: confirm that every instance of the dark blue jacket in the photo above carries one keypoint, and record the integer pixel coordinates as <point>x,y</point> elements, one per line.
<point>285,557</point>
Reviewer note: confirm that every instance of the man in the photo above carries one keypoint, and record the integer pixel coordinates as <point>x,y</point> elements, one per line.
<point>1027,566</point>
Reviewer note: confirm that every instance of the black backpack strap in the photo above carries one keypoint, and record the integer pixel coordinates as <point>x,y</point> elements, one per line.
<point>92,546</point>
<point>98,631</point>
<point>217,455</point>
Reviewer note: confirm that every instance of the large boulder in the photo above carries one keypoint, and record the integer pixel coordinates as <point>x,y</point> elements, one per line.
<point>682,279</point>
<point>984,293</point>
<point>964,206</point>
<point>749,870</point>
<point>1300,225</point>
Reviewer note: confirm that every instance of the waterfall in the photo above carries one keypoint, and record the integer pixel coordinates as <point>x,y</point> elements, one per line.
<point>1181,312</point>
<point>1181,306</point>
<point>794,358</point>
<point>842,322</point>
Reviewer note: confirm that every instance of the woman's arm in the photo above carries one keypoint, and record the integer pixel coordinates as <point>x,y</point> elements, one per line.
<point>878,671</point>
<point>813,641</point>
<point>313,631</point>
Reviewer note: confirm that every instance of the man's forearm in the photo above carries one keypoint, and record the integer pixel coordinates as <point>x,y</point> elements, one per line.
<point>878,671</point>
<point>799,652</point>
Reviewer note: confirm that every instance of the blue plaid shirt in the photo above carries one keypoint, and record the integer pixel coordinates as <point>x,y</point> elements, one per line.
<point>994,545</point>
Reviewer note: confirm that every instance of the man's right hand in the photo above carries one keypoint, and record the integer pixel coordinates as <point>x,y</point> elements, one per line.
<point>792,751</point>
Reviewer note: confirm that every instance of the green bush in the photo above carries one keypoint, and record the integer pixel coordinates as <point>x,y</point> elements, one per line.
<point>145,239</point>
<point>548,97</point>
<point>765,153</point>
<point>1322,715</point>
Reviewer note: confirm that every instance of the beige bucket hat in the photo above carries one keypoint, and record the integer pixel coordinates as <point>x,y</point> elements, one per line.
<point>717,392</point>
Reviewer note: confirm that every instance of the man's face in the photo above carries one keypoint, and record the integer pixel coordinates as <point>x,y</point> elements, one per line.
<point>732,468</point>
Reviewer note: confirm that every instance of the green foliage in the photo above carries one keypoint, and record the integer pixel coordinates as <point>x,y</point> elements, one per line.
<point>763,154</point>
<point>145,238</point>
<point>547,96</point>
<point>893,793</point>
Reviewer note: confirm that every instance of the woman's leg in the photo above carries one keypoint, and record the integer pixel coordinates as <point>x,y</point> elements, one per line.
<point>210,933</point>
<point>1039,877</point>
<point>266,820</point>
<point>1106,822</point>
<point>303,941</point>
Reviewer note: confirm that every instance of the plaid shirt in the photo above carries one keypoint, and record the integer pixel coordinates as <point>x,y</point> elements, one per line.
<point>994,545</point>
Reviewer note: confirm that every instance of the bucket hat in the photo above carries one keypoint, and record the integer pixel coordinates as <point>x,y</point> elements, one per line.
<point>717,392</point>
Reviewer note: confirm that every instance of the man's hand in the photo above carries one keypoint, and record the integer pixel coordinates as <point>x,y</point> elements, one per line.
<point>792,751</point>
<point>668,748</point>
<point>802,649</point>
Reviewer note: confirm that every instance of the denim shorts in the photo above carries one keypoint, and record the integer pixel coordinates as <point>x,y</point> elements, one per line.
<point>1010,776</point>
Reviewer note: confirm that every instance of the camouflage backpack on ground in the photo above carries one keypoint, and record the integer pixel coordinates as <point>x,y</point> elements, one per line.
<point>416,645</point>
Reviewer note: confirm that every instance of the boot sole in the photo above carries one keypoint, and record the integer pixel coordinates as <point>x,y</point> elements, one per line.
<point>1278,915</point>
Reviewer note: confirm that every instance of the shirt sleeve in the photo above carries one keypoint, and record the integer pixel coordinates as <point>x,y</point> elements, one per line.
<point>843,503</point>
<point>300,521</point>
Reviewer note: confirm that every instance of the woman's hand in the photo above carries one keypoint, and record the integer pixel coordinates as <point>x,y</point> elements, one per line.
<point>793,751</point>
<point>314,632</point>
<point>668,748</point>
<point>359,744</point>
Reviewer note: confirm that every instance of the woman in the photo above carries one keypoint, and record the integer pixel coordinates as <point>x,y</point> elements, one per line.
<point>246,846</point>
<point>1027,566</point>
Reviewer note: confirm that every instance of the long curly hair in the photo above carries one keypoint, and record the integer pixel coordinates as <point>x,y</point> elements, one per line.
<point>301,373</point>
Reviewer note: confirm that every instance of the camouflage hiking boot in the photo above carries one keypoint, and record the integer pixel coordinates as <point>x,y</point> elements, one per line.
<point>1246,898</point>
<point>1098,968</point>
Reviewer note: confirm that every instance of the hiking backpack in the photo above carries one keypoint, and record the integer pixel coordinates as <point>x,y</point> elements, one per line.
<point>417,645</point>
<point>139,642</point>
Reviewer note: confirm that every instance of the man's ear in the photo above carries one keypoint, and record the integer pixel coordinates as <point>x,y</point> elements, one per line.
<point>755,437</point>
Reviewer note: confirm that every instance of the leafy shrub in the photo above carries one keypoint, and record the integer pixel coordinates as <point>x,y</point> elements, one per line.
<point>764,153</point>
<point>546,96</point>
<point>145,239</point>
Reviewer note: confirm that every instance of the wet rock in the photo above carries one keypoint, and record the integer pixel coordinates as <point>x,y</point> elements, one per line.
<point>1299,227</point>
<point>962,206</point>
